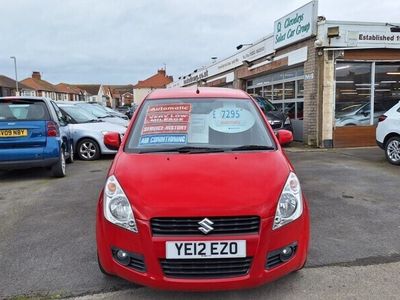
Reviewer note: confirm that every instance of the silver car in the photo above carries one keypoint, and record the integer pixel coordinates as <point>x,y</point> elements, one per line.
<point>102,114</point>
<point>88,132</point>
<point>358,114</point>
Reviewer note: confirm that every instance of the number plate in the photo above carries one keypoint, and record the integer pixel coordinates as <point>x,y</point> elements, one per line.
<point>13,132</point>
<point>205,249</point>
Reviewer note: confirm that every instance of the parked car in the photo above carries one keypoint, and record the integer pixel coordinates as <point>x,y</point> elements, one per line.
<point>358,114</point>
<point>109,111</point>
<point>101,114</point>
<point>33,134</point>
<point>87,131</point>
<point>131,111</point>
<point>388,134</point>
<point>200,196</point>
<point>122,109</point>
<point>276,118</point>
<point>116,113</point>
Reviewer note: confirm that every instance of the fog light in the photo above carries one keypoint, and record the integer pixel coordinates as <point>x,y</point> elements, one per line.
<point>122,257</point>
<point>286,253</point>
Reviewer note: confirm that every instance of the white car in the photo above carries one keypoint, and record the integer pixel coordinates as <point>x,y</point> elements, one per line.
<point>388,134</point>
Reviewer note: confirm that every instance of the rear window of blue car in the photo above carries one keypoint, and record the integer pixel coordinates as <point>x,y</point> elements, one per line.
<point>23,110</point>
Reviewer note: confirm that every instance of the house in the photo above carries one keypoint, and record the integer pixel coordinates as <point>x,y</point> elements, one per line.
<point>118,95</point>
<point>92,93</point>
<point>41,87</point>
<point>8,88</point>
<point>144,87</point>
<point>68,92</point>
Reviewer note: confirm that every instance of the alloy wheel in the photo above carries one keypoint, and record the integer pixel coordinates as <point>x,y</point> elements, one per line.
<point>393,150</point>
<point>88,150</point>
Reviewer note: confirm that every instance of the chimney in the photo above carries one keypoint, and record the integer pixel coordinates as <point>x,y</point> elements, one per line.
<point>36,75</point>
<point>161,72</point>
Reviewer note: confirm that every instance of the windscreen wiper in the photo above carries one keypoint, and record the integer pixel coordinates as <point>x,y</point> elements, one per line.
<point>94,121</point>
<point>252,147</point>
<point>185,149</point>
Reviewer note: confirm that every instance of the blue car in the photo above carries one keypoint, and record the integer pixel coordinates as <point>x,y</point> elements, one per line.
<point>33,133</point>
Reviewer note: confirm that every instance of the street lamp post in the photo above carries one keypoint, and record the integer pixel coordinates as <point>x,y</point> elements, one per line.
<point>16,76</point>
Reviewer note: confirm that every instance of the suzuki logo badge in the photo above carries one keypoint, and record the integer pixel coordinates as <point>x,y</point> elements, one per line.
<point>205,226</point>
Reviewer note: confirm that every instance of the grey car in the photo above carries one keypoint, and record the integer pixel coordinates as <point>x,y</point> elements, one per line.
<point>88,132</point>
<point>111,111</point>
<point>358,114</point>
<point>102,114</point>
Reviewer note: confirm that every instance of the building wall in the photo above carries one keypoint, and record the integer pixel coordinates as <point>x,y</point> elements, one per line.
<point>328,99</point>
<point>140,94</point>
<point>311,95</point>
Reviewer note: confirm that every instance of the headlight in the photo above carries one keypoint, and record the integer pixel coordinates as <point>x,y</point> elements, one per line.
<point>287,121</point>
<point>117,209</point>
<point>290,204</point>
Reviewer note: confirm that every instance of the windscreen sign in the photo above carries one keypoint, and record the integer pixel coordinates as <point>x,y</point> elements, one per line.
<point>296,26</point>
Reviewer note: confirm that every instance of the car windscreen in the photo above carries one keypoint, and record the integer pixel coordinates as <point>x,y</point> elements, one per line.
<point>265,105</point>
<point>98,112</point>
<point>202,124</point>
<point>23,110</point>
<point>78,114</point>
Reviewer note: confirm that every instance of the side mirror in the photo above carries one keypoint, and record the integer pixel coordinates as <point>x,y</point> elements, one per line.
<point>284,136</point>
<point>112,140</point>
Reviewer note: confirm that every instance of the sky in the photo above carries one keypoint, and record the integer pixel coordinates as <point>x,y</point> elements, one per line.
<point>123,41</point>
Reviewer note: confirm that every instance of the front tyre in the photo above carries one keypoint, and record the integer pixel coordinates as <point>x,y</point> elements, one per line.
<point>88,149</point>
<point>71,159</point>
<point>58,169</point>
<point>392,150</point>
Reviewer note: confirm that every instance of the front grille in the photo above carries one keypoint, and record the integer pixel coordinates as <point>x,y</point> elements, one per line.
<point>190,226</point>
<point>206,268</point>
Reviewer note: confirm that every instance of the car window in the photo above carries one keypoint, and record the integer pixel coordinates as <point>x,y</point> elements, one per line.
<point>98,112</point>
<point>23,109</point>
<point>214,123</point>
<point>59,114</point>
<point>78,114</point>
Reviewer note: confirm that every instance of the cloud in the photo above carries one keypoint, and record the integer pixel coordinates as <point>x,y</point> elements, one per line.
<point>126,41</point>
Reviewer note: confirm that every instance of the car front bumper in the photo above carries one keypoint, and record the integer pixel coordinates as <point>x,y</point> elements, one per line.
<point>152,250</point>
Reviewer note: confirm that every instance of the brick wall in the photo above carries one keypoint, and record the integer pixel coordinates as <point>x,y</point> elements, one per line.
<point>311,96</point>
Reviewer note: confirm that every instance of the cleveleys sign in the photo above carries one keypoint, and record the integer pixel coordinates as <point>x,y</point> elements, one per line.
<point>296,26</point>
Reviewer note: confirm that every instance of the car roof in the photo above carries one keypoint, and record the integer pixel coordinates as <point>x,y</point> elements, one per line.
<point>190,92</point>
<point>26,98</point>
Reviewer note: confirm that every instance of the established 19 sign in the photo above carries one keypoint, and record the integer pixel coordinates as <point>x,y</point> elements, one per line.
<point>296,26</point>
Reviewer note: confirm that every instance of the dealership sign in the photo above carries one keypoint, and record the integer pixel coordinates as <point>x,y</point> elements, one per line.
<point>355,38</point>
<point>296,26</point>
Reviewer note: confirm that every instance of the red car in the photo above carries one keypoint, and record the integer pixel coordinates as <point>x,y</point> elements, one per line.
<point>200,196</point>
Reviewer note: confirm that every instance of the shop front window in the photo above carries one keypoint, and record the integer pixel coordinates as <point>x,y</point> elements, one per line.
<point>289,89</point>
<point>267,92</point>
<point>353,94</point>
<point>300,88</point>
<point>278,91</point>
<point>387,87</point>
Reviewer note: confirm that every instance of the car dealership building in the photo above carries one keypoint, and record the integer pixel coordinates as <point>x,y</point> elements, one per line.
<point>326,75</point>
